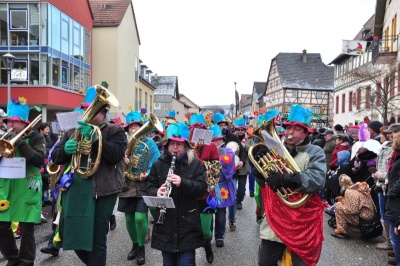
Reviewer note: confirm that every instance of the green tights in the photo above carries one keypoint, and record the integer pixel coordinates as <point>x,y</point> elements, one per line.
<point>206,219</point>
<point>136,224</point>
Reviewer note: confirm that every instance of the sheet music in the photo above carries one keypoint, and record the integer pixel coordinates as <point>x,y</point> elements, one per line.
<point>13,167</point>
<point>55,127</point>
<point>69,120</point>
<point>271,143</point>
<point>202,134</point>
<point>152,201</point>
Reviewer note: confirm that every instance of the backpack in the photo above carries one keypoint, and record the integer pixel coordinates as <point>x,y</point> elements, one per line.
<point>372,228</point>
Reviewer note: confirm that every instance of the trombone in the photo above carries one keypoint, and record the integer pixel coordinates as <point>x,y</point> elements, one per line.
<point>7,147</point>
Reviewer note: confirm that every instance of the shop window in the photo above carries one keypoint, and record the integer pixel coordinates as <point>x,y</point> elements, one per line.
<point>19,73</point>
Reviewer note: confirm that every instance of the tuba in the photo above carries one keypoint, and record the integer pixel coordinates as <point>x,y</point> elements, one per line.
<point>135,153</point>
<point>272,161</point>
<point>103,99</point>
<point>7,149</point>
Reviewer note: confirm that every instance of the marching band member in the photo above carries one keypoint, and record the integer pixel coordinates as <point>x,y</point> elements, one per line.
<point>180,233</point>
<point>220,120</point>
<point>209,156</point>
<point>284,227</point>
<point>21,198</point>
<point>243,172</point>
<point>225,189</point>
<point>131,201</point>
<point>84,227</point>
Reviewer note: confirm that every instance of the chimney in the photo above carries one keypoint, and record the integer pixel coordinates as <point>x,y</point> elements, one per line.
<point>304,56</point>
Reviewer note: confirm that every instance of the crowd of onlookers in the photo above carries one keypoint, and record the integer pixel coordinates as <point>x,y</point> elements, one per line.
<point>363,186</point>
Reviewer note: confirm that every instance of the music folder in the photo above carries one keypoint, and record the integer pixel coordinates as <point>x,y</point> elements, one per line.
<point>152,201</point>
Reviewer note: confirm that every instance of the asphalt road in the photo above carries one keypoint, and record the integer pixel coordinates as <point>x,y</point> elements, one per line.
<point>240,246</point>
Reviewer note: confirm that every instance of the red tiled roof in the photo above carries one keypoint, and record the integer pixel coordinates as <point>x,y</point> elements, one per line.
<point>108,12</point>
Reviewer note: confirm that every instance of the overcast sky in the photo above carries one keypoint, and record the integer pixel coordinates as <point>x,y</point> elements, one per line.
<point>210,44</point>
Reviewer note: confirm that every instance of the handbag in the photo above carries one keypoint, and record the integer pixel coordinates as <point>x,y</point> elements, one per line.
<point>371,228</point>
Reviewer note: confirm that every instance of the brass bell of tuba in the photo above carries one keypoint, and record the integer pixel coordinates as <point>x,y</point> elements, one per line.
<point>51,167</point>
<point>103,99</point>
<point>272,161</point>
<point>7,149</point>
<point>133,169</point>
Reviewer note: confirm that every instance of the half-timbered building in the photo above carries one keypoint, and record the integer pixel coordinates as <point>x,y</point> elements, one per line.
<point>300,78</point>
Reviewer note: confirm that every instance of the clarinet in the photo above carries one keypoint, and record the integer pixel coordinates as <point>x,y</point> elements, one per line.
<point>168,189</point>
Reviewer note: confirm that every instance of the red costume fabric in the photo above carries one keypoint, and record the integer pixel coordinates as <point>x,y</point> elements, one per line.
<point>208,153</point>
<point>300,229</point>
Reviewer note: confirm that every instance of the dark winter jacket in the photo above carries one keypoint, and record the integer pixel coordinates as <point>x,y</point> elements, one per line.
<point>181,230</point>
<point>319,141</point>
<point>392,210</point>
<point>109,177</point>
<point>35,151</point>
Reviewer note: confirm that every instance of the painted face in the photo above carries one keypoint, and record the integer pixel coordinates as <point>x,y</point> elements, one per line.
<point>176,147</point>
<point>295,135</point>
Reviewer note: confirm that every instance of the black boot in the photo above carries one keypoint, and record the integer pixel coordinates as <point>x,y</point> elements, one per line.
<point>209,252</point>
<point>141,256</point>
<point>113,222</point>
<point>133,253</point>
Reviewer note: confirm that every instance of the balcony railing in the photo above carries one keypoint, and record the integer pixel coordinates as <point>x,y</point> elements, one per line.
<point>385,49</point>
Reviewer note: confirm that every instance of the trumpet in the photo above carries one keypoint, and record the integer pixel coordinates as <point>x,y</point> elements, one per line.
<point>163,209</point>
<point>7,147</point>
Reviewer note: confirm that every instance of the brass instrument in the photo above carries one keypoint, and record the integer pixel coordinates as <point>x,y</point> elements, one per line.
<point>7,147</point>
<point>51,167</point>
<point>133,169</point>
<point>103,99</point>
<point>272,161</point>
<point>168,189</point>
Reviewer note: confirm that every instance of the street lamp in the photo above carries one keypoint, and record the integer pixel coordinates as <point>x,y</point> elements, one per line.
<point>372,97</point>
<point>232,106</point>
<point>8,63</point>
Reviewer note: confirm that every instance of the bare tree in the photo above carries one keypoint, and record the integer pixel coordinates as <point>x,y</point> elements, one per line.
<point>383,97</point>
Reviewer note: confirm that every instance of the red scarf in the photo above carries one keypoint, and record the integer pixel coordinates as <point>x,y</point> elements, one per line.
<point>300,229</point>
<point>391,160</point>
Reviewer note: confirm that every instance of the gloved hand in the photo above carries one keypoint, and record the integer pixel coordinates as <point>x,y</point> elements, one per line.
<point>275,180</point>
<point>260,179</point>
<point>292,180</point>
<point>85,128</point>
<point>71,146</point>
